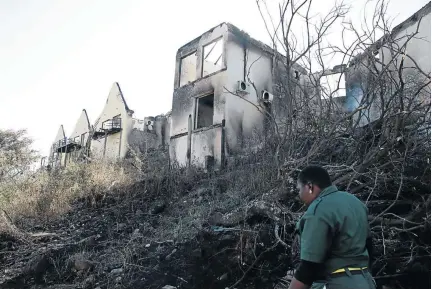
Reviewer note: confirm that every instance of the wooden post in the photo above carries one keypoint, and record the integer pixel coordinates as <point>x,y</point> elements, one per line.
<point>103,156</point>
<point>65,151</point>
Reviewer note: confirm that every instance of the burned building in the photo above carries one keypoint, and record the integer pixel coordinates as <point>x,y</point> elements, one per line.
<point>157,129</point>
<point>58,149</point>
<point>116,128</point>
<point>354,86</point>
<point>78,140</point>
<point>403,54</point>
<point>223,83</point>
<point>117,133</point>
<point>114,135</point>
<point>73,148</point>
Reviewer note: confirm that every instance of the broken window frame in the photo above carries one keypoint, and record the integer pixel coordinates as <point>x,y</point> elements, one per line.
<point>197,110</point>
<point>221,58</point>
<point>335,92</point>
<point>180,68</point>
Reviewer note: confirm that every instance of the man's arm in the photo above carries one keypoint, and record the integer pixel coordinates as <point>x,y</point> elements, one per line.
<point>315,242</point>
<point>306,274</point>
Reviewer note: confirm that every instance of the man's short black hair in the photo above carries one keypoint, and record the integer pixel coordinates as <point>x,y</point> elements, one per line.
<point>315,175</point>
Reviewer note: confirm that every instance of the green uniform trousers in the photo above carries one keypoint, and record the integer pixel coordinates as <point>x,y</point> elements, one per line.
<point>362,280</point>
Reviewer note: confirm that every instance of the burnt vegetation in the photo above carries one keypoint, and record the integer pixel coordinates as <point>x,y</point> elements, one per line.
<point>168,226</point>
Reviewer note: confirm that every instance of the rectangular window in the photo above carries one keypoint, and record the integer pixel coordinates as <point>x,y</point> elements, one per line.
<point>212,57</point>
<point>188,69</point>
<point>205,110</point>
<point>333,85</point>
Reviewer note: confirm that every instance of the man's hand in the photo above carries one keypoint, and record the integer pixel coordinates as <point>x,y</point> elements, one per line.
<point>296,284</point>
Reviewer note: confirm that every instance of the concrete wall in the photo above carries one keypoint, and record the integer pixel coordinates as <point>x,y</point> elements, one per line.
<point>57,158</point>
<point>134,134</point>
<point>79,135</point>
<point>138,124</point>
<point>247,63</point>
<point>358,83</point>
<point>115,145</point>
<point>206,143</point>
<point>415,33</point>
<point>243,59</point>
<point>418,53</point>
<point>81,130</point>
<point>138,135</point>
<point>418,47</point>
<point>167,129</point>
<point>185,100</point>
<point>158,128</point>
<point>358,75</point>
<point>178,150</point>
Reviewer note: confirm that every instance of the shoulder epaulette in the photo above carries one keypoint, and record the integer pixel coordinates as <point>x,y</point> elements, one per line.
<point>314,205</point>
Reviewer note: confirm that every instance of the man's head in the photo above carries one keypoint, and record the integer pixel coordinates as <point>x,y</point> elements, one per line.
<point>311,181</point>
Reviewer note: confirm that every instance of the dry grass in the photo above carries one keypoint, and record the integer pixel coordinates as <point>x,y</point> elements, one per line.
<point>45,195</point>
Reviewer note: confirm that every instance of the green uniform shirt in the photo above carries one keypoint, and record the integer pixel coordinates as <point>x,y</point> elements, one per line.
<point>333,231</point>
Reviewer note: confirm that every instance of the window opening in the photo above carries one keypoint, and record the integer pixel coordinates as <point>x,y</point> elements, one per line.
<point>329,85</point>
<point>188,69</point>
<point>205,111</point>
<point>212,57</point>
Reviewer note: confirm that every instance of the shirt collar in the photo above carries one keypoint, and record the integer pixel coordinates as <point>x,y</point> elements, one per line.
<point>327,191</point>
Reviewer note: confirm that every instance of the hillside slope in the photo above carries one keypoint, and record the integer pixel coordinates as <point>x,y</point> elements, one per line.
<point>200,231</point>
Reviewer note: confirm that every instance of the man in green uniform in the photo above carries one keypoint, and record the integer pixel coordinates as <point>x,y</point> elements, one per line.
<point>335,242</point>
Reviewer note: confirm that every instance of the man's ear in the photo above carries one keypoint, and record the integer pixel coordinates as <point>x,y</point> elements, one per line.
<point>310,188</point>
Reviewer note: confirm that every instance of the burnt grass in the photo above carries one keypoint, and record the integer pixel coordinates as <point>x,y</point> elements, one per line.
<point>148,236</point>
<point>195,231</point>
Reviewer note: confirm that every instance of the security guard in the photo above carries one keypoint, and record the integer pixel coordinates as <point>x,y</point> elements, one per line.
<point>335,242</point>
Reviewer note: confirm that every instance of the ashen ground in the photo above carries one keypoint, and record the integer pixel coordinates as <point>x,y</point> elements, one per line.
<point>217,231</point>
<point>146,236</point>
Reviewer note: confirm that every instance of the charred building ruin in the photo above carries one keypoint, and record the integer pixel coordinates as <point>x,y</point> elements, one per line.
<point>224,83</point>
<point>113,135</point>
<point>215,108</point>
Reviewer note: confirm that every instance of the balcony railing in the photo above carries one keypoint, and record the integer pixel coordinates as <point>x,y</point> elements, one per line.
<point>66,145</point>
<point>109,126</point>
<point>112,124</point>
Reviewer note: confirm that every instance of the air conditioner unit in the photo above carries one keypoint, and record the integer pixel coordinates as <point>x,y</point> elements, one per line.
<point>266,96</point>
<point>242,87</point>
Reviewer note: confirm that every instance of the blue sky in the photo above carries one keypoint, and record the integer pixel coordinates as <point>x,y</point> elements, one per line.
<point>58,56</point>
